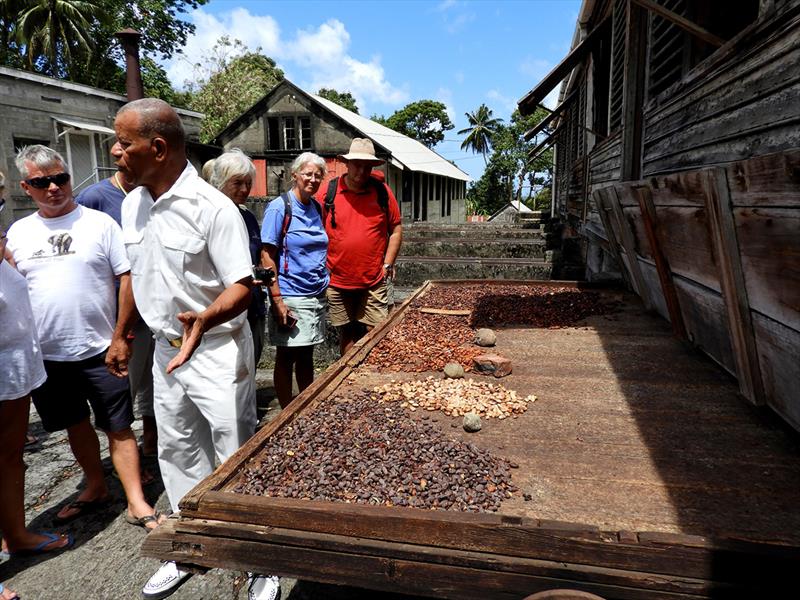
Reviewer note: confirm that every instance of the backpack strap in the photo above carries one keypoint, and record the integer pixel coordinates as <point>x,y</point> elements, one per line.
<point>383,199</point>
<point>330,196</point>
<point>287,219</point>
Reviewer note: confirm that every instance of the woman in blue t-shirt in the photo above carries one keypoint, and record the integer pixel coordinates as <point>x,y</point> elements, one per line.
<point>295,246</point>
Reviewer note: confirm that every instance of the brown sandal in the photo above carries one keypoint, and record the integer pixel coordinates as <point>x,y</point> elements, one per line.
<point>144,521</point>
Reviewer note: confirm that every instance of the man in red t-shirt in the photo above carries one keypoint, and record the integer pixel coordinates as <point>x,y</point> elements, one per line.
<point>364,233</point>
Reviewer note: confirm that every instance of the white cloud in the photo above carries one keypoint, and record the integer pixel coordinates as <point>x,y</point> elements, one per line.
<point>317,56</point>
<point>502,104</point>
<point>536,68</point>
<point>445,96</point>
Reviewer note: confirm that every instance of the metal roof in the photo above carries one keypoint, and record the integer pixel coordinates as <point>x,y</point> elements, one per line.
<point>410,153</point>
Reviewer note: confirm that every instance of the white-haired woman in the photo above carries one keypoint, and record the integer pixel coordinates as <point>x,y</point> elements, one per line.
<point>296,248</point>
<point>232,173</point>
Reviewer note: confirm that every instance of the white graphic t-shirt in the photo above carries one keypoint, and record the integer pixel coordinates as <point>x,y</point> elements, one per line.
<point>70,263</point>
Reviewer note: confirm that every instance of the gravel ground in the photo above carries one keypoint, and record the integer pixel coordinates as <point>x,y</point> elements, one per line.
<point>104,564</point>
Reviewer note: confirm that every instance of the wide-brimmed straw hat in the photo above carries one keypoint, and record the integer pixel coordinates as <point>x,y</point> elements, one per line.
<point>362,149</point>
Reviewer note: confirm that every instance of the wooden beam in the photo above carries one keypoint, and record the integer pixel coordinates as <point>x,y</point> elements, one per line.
<point>682,22</point>
<point>531,100</point>
<point>556,112</point>
<point>629,245</point>
<point>613,243</point>
<point>633,94</point>
<point>645,197</point>
<point>734,290</point>
<point>549,141</point>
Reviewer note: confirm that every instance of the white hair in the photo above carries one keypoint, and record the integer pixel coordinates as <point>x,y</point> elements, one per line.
<point>309,158</point>
<point>234,163</point>
<point>41,156</point>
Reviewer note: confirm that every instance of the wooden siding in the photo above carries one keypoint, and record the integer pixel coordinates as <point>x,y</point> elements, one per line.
<point>732,109</point>
<point>723,251</point>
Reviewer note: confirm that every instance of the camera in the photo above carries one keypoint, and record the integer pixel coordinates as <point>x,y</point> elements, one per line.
<point>263,274</point>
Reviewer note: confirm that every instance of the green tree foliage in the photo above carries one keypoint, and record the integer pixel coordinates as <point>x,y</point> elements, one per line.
<point>510,174</point>
<point>231,79</point>
<point>74,39</point>
<point>55,32</point>
<point>482,127</point>
<point>424,120</point>
<point>342,99</point>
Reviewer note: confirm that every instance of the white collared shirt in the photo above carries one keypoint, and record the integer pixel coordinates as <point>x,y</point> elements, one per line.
<point>185,249</point>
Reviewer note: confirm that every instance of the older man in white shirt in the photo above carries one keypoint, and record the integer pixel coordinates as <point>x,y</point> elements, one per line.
<point>191,275</point>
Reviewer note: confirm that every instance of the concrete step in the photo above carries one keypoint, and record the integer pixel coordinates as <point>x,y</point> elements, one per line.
<point>413,271</point>
<point>483,248</point>
<point>465,231</point>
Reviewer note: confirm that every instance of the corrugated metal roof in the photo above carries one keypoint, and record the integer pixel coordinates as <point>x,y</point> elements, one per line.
<point>410,153</point>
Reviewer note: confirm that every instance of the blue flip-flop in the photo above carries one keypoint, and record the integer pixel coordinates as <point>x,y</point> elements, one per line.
<point>42,547</point>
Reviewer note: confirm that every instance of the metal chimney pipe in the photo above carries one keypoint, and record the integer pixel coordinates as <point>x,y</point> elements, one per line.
<point>129,38</point>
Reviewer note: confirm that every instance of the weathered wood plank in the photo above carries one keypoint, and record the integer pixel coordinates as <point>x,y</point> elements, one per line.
<point>634,92</point>
<point>662,264</point>
<point>734,292</point>
<point>778,352</point>
<point>628,243</point>
<point>433,573</point>
<point>769,243</point>
<point>772,180</point>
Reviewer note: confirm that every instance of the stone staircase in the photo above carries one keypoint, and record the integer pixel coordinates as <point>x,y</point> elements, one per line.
<point>472,251</point>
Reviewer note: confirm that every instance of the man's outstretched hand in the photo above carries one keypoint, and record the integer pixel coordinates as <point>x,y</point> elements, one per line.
<point>193,329</point>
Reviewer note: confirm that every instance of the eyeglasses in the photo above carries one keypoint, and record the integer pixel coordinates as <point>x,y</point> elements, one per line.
<point>318,176</point>
<point>42,183</point>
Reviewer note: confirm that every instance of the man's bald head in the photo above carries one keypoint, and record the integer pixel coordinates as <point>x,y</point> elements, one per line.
<point>157,118</point>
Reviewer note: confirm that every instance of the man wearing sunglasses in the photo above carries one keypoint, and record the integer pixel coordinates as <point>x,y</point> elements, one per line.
<point>70,257</point>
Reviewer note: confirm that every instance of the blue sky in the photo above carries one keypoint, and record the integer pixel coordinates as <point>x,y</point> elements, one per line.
<point>387,54</point>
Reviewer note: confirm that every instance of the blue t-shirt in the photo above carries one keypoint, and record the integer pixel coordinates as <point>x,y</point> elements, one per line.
<point>103,196</point>
<point>306,247</point>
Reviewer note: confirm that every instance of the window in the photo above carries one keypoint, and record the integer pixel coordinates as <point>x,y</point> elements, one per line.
<point>289,134</point>
<point>305,132</point>
<point>273,134</point>
<point>21,142</point>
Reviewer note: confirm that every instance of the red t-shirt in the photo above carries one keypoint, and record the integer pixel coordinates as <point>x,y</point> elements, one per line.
<point>357,245</point>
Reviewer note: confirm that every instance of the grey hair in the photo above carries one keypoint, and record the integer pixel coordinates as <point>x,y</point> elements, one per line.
<point>205,172</point>
<point>233,163</point>
<point>2,180</point>
<point>157,117</point>
<point>41,156</point>
<point>309,157</point>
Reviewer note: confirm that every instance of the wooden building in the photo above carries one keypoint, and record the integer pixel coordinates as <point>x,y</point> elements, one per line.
<point>77,120</point>
<point>677,154</point>
<point>288,121</point>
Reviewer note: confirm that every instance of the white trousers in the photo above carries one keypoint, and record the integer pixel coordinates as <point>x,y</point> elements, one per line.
<point>203,408</point>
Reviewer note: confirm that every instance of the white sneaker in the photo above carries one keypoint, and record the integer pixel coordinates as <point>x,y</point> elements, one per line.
<point>263,587</point>
<point>164,582</point>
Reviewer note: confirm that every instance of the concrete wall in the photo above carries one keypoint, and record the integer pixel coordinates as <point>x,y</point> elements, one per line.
<point>29,103</point>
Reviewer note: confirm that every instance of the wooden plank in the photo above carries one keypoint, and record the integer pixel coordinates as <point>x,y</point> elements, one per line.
<point>734,289</point>
<point>705,318</point>
<point>213,543</point>
<point>613,243</point>
<point>444,311</point>
<point>689,556</point>
<point>633,93</point>
<point>320,388</point>
<point>428,572</point>
<point>769,245</point>
<point>628,245</point>
<point>662,265</point>
<point>682,22</point>
<point>771,180</point>
<point>778,349</point>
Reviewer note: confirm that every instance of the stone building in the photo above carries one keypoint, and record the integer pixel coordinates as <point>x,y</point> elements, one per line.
<point>77,120</point>
<point>288,121</point>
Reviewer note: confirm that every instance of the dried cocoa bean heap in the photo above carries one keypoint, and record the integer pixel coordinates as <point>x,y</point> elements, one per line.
<point>455,397</point>
<point>426,342</point>
<point>360,450</point>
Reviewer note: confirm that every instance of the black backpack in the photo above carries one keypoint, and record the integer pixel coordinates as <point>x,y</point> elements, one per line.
<point>380,188</point>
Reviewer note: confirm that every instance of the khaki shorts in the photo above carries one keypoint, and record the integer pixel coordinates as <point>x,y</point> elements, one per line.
<point>368,306</point>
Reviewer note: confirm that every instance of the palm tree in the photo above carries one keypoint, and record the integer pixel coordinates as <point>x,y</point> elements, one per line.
<point>481,128</point>
<point>54,28</point>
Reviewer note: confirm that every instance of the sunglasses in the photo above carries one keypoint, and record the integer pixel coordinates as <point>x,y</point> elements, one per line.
<point>42,183</point>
